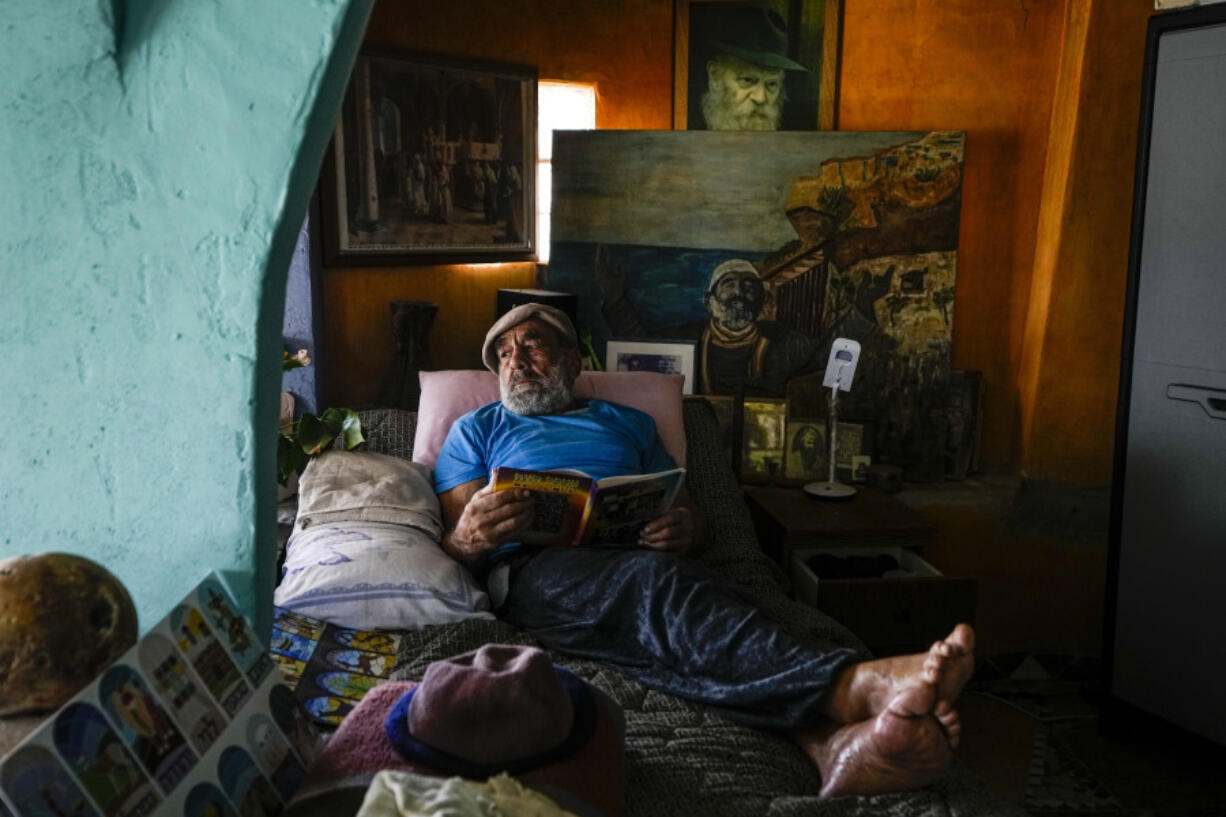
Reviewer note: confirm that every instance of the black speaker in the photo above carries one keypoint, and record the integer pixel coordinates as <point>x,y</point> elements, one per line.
<point>508,299</point>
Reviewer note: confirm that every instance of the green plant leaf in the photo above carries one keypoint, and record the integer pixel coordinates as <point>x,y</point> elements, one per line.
<point>315,434</point>
<point>351,430</point>
<point>344,423</point>
<point>290,457</point>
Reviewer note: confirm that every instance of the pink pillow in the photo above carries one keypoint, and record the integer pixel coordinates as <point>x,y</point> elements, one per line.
<point>447,395</point>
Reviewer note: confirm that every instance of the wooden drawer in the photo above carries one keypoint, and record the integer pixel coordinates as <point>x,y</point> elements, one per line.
<point>894,614</point>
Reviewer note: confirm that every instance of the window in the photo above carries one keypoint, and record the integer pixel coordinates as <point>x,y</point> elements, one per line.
<point>560,106</point>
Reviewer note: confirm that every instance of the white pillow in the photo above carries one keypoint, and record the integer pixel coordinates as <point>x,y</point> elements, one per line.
<point>365,552</point>
<point>376,576</point>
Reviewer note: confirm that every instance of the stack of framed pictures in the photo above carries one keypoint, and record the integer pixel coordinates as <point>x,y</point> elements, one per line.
<point>791,450</point>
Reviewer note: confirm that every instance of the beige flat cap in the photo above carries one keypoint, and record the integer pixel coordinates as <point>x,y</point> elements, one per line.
<point>547,314</point>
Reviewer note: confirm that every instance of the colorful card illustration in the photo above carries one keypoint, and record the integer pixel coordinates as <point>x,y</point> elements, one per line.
<point>191,721</point>
<point>273,754</point>
<point>208,657</point>
<point>235,630</point>
<point>309,628</point>
<point>105,767</point>
<point>330,668</point>
<point>145,726</point>
<point>249,789</point>
<point>39,786</point>
<point>181,691</point>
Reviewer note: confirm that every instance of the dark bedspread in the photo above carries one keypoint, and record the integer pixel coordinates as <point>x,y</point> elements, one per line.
<point>685,759</point>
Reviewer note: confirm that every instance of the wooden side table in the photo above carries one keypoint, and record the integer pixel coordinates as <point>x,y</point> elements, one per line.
<point>787,518</point>
<point>890,614</point>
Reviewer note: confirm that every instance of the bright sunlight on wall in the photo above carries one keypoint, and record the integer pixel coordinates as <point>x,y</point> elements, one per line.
<point>560,106</point>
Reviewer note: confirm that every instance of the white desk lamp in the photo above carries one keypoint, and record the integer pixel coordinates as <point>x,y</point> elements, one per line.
<point>844,355</point>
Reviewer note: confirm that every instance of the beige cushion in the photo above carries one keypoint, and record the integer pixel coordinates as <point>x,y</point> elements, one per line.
<point>356,486</point>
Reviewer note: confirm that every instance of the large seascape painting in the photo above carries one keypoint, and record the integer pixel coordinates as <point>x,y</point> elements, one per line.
<point>761,248</point>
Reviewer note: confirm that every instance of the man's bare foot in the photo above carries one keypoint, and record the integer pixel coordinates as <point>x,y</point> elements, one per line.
<point>864,690</point>
<point>950,722</point>
<point>906,746</point>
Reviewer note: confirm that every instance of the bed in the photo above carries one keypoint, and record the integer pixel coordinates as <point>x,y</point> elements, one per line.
<point>683,758</point>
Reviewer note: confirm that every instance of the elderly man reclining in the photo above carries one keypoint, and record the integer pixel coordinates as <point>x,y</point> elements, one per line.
<point>657,616</point>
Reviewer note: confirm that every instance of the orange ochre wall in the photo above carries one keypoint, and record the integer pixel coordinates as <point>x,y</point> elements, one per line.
<point>1045,202</point>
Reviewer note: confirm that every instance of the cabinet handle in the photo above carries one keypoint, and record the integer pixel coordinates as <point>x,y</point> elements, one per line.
<point>1213,401</point>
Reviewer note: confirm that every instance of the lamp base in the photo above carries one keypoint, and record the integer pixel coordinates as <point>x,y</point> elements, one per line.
<point>830,490</point>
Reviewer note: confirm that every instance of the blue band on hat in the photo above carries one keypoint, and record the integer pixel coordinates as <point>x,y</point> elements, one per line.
<point>583,726</point>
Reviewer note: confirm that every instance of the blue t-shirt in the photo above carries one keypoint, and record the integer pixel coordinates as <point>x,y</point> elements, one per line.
<point>598,438</point>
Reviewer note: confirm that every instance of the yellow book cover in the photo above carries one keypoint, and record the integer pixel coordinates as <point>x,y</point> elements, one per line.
<point>561,500</point>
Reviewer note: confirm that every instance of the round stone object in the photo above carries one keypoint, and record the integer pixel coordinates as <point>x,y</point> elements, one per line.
<point>63,619</point>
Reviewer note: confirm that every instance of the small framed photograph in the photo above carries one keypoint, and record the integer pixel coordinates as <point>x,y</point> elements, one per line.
<point>763,447</point>
<point>432,161</point>
<point>859,467</point>
<point>664,356</point>
<point>805,451</point>
<point>804,454</point>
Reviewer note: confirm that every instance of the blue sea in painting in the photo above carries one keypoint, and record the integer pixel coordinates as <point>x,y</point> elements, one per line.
<point>667,286</point>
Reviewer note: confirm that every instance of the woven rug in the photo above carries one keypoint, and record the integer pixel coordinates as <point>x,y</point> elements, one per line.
<point>1059,783</point>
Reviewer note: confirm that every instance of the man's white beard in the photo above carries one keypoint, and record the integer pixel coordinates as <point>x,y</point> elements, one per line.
<point>719,114</point>
<point>546,395</point>
<point>734,314</point>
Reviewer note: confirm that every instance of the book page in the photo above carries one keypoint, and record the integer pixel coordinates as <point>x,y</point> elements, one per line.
<point>623,505</point>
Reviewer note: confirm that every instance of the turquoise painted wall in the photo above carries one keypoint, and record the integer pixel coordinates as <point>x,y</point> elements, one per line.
<point>156,161</point>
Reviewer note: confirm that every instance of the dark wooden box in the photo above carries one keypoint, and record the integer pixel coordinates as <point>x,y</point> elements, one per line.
<point>891,615</point>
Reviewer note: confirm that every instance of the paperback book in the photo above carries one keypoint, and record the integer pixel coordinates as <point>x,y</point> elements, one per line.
<point>572,509</point>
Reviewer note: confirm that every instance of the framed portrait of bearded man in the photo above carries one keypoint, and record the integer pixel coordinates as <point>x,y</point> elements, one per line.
<point>756,64</point>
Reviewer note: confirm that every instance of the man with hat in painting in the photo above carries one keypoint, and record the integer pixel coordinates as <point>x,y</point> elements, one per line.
<point>736,348</point>
<point>746,74</point>
<point>655,615</point>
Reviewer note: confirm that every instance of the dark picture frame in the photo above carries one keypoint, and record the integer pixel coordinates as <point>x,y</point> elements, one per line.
<point>813,40</point>
<point>433,160</point>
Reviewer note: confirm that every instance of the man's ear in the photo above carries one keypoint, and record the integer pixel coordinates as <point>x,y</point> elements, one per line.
<point>712,73</point>
<point>574,364</point>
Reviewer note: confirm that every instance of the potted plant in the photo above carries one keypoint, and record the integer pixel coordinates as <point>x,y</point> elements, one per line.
<point>298,441</point>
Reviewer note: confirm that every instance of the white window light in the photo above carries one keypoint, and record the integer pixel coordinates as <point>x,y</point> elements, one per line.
<point>560,106</point>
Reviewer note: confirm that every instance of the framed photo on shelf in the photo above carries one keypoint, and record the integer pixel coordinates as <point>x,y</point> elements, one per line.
<point>763,447</point>
<point>668,357</point>
<point>432,161</point>
<point>799,38</point>
<point>805,449</point>
<point>859,467</point>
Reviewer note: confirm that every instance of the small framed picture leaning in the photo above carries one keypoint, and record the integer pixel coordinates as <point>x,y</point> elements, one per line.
<point>804,456</point>
<point>665,356</point>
